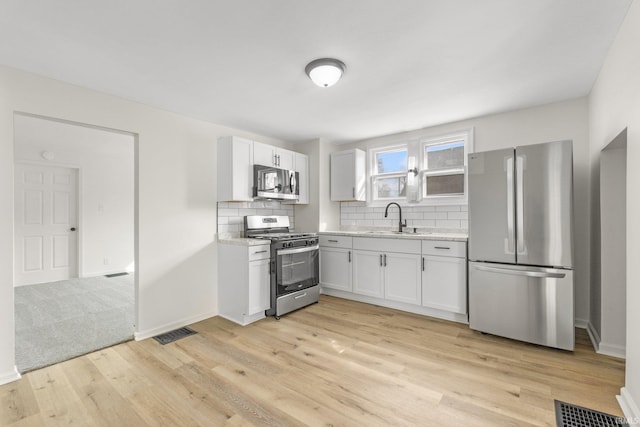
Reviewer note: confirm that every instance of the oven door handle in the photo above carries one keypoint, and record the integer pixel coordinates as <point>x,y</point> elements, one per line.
<point>298,250</point>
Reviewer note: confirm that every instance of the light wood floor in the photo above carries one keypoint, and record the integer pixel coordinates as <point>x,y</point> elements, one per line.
<point>336,363</point>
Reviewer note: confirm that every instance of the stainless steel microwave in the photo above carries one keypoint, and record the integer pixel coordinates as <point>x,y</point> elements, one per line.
<point>275,183</point>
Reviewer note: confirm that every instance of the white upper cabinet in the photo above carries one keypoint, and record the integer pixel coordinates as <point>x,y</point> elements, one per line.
<point>236,157</point>
<point>301,165</point>
<point>235,169</point>
<point>348,177</point>
<point>268,155</point>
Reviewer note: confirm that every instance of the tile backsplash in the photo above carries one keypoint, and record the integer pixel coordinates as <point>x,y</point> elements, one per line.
<point>358,214</point>
<point>231,215</point>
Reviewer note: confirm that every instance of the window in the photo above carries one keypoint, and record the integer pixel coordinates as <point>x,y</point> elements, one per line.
<point>422,170</point>
<point>389,173</point>
<point>443,167</point>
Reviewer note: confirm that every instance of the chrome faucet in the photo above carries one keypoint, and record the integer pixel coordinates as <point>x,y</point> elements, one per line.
<point>400,223</point>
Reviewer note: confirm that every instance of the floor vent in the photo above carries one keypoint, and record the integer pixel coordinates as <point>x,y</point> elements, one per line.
<point>115,274</point>
<point>568,415</point>
<point>174,335</point>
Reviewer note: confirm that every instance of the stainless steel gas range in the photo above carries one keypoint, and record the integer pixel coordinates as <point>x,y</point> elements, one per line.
<point>294,265</point>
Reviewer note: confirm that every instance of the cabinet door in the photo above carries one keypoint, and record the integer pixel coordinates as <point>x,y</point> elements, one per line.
<point>444,283</point>
<point>263,154</point>
<point>335,269</point>
<point>402,278</point>
<point>302,167</point>
<point>235,170</point>
<point>285,159</point>
<point>367,273</point>
<point>259,287</point>
<point>343,176</point>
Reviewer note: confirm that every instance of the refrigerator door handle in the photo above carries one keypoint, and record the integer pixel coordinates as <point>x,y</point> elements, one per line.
<point>539,274</point>
<point>520,205</point>
<point>509,249</point>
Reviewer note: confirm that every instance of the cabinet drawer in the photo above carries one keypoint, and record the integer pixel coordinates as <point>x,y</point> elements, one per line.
<point>259,252</point>
<point>387,245</point>
<point>336,241</point>
<point>444,248</point>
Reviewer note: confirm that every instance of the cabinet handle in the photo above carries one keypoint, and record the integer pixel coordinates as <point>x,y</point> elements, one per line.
<point>332,241</point>
<point>385,260</point>
<point>442,247</point>
<point>422,263</point>
<point>380,260</point>
<point>349,256</point>
<point>259,252</point>
<point>278,160</point>
<point>353,190</point>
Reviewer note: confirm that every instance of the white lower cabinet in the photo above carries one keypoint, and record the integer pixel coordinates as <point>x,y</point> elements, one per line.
<point>368,278</point>
<point>259,287</point>
<point>425,277</point>
<point>392,276</point>
<point>244,290</point>
<point>444,276</point>
<point>335,268</point>
<point>402,278</point>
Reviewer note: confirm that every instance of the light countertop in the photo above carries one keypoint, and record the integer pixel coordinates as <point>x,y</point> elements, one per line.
<point>240,241</point>
<point>455,237</point>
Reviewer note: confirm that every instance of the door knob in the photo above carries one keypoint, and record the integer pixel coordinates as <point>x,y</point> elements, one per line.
<point>72,229</point>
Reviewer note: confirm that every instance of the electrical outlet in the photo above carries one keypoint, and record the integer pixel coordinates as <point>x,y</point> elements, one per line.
<point>106,261</point>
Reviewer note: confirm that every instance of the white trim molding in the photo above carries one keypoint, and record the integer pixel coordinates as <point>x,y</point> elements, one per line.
<point>143,335</point>
<point>613,350</point>
<point>603,348</point>
<point>10,376</point>
<point>581,323</point>
<point>628,405</point>
<point>593,336</point>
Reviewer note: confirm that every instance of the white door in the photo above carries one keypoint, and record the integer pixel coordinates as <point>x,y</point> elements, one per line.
<point>45,222</point>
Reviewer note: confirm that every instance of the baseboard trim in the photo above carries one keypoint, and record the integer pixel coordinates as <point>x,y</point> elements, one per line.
<point>593,336</point>
<point>143,335</point>
<point>581,323</point>
<point>612,350</point>
<point>10,376</point>
<point>628,405</point>
<point>410,308</point>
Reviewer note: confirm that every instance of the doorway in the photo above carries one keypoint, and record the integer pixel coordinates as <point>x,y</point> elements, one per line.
<point>74,234</point>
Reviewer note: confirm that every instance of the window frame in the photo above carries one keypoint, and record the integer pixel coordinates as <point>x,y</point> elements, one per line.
<point>458,170</point>
<point>414,143</point>
<point>373,167</point>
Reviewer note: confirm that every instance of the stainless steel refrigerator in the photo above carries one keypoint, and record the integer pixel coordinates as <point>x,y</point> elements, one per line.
<point>520,243</point>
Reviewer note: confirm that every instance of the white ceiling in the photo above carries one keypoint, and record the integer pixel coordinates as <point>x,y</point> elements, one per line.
<point>410,63</point>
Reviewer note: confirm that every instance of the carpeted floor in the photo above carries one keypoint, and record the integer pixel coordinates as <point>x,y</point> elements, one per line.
<point>61,320</point>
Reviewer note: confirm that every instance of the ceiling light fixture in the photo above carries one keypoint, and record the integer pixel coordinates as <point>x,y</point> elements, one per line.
<point>325,72</point>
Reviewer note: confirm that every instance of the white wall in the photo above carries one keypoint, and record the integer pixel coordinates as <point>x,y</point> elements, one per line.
<point>106,163</point>
<point>176,204</point>
<point>552,122</point>
<point>613,241</point>
<point>321,214</point>
<point>614,104</point>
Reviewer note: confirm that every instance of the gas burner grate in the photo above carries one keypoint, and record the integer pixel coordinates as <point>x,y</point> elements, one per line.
<point>568,415</point>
